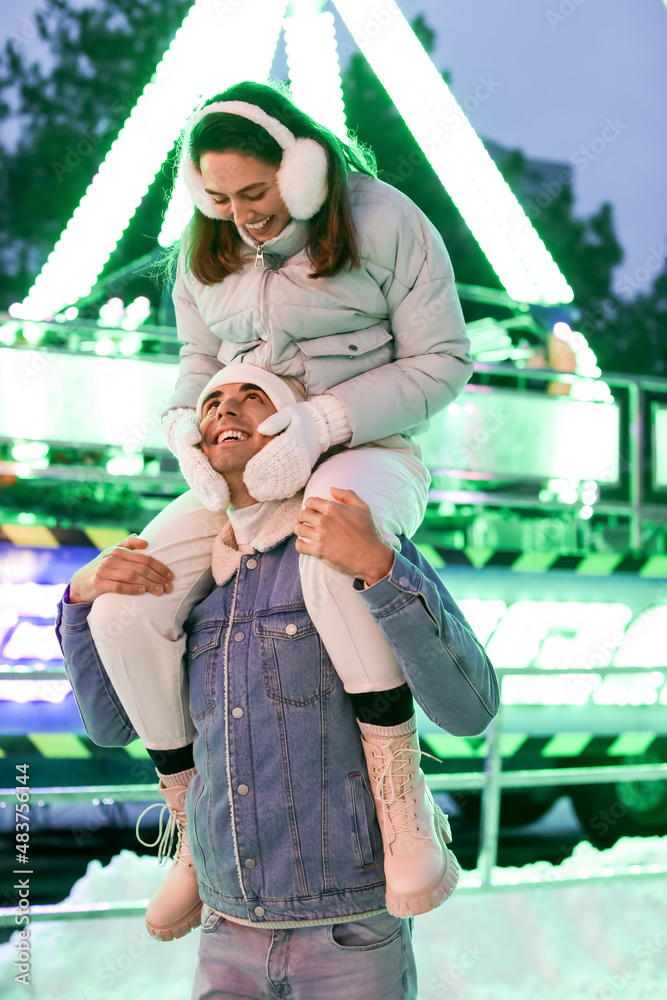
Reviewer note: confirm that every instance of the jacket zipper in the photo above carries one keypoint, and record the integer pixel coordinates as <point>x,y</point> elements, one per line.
<point>259,258</point>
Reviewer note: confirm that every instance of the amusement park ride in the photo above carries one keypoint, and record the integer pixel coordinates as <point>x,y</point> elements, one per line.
<point>548,508</point>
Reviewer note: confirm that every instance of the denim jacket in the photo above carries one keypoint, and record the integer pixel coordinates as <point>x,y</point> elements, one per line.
<point>281,820</point>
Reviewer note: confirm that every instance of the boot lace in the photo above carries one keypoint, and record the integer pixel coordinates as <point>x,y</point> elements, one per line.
<point>394,777</point>
<point>164,839</point>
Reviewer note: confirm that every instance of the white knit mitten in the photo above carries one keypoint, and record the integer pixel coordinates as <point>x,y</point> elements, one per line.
<point>180,427</point>
<point>304,431</point>
<point>181,431</point>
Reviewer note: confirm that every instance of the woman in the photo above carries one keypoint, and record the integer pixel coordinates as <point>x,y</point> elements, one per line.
<point>300,262</point>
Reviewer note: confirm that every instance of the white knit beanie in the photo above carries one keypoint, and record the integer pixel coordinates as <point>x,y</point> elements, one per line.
<point>282,391</point>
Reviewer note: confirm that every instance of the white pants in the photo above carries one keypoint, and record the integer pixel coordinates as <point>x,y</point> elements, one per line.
<point>141,641</point>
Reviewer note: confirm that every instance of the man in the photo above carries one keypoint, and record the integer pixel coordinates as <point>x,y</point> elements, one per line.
<point>283,832</point>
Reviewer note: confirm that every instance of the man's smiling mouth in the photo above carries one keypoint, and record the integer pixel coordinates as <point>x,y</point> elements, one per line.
<point>225,436</point>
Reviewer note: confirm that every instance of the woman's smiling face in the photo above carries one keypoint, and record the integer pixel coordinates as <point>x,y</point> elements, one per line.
<point>245,190</point>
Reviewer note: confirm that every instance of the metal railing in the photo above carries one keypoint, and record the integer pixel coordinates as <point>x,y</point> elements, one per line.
<point>494,779</point>
<point>634,508</point>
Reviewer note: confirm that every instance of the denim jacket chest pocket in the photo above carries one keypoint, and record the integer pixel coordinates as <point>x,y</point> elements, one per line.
<point>295,664</point>
<point>203,664</point>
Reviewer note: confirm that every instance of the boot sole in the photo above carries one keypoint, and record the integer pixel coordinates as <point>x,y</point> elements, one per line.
<point>191,920</point>
<point>411,904</point>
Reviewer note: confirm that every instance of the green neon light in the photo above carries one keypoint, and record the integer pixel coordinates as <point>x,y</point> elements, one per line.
<point>440,127</point>
<point>656,565</point>
<point>599,563</point>
<point>260,20</point>
<point>478,555</point>
<point>511,742</point>
<point>535,562</point>
<point>630,744</point>
<point>312,58</point>
<point>137,749</point>
<point>432,555</point>
<point>62,745</point>
<point>192,65</point>
<point>566,744</point>
<point>444,745</point>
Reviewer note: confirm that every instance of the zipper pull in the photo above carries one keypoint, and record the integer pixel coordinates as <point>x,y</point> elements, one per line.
<point>259,259</point>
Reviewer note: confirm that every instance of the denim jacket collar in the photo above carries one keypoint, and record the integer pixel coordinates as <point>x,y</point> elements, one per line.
<point>279,526</point>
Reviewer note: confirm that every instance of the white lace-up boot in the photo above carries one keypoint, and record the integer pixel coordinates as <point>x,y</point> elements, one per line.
<point>175,907</point>
<point>420,871</point>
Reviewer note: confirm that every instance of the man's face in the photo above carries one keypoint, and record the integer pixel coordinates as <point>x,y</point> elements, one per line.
<point>231,415</point>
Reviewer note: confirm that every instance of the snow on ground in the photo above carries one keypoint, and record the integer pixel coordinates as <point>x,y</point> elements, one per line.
<point>594,941</point>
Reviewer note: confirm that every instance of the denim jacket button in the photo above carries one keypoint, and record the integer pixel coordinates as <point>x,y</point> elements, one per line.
<point>239,637</point>
<point>237,713</point>
<point>251,564</point>
<point>260,911</point>
<point>403,581</point>
<point>291,629</point>
<point>243,789</point>
<point>249,863</point>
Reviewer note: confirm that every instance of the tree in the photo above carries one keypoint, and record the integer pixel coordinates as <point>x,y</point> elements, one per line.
<point>71,109</point>
<point>631,336</point>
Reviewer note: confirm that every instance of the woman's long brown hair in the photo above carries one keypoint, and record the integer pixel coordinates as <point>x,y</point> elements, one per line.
<point>215,248</point>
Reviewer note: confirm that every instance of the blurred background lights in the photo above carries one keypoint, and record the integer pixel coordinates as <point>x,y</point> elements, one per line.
<point>136,313</point>
<point>32,642</point>
<point>590,387</point>
<point>28,600</point>
<point>130,345</point>
<point>104,347</point>
<point>9,332</point>
<point>32,333</point>
<point>312,59</point>
<point>111,312</point>
<point>644,642</point>
<point>25,451</point>
<point>24,691</point>
<point>125,465</point>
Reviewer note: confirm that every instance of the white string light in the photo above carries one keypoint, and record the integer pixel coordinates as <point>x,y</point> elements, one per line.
<point>440,127</point>
<point>205,52</point>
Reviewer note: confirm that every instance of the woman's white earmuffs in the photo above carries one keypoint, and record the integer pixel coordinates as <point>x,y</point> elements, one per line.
<point>302,174</point>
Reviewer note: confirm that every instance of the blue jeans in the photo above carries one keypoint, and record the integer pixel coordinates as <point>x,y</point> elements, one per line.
<point>362,960</point>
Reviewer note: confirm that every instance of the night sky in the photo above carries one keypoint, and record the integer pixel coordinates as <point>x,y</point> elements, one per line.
<point>564,73</point>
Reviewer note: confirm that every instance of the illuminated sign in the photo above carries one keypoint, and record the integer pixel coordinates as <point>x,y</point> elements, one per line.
<point>551,634</point>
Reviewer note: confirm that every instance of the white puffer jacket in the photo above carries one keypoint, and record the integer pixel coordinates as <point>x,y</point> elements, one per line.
<point>388,339</point>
